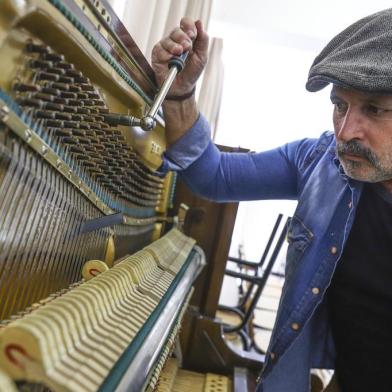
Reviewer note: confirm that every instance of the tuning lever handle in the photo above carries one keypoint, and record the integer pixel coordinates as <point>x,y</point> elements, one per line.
<point>178,61</point>
<point>148,122</point>
<point>176,65</point>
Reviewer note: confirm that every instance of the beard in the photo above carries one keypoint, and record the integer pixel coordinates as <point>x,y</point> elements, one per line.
<point>369,169</point>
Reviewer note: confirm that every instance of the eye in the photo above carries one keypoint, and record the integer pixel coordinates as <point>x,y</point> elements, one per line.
<point>340,107</point>
<point>374,110</point>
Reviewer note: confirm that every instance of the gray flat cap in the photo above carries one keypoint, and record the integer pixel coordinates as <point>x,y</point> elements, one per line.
<point>359,57</point>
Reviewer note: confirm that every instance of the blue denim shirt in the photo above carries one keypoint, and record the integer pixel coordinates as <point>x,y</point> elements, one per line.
<point>305,170</point>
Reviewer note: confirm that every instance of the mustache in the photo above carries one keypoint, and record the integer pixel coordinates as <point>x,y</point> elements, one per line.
<point>353,147</point>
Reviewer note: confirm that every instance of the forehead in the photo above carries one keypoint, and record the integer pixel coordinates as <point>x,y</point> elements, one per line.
<point>360,96</point>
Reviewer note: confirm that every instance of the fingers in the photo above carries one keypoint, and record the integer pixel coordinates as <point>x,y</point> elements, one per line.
<point>177,42</point>
<point>188,27</point>
<point>173,45</point>
<point>201,43</point>
<point>160,54</point>
<point>190,36</point>
<point>180,39</point>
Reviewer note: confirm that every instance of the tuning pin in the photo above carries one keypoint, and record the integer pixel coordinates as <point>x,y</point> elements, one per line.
<point>34,48</point>
<point>35,63</point>
<point>22,87</point>
<point>53,57</point>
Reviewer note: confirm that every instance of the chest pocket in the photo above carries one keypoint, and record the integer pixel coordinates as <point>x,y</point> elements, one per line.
<point>299,238</point>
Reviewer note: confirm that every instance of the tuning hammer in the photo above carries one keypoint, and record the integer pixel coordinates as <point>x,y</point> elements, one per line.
<point>148,122</point>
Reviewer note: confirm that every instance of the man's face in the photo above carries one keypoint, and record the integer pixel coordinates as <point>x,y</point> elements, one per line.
<point>363,130</point>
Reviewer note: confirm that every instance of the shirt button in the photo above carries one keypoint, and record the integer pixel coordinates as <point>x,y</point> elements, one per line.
<point>295,326</point>
<point>272,356</point>
<point>350,204</point>
<point>334,250</point>
<point>315,290</point>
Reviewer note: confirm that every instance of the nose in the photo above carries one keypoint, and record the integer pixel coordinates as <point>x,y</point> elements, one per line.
<point>350,126</point>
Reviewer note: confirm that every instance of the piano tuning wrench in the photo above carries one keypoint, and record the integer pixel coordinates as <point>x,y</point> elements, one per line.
<point>176,65</point>
<point>148,122</point>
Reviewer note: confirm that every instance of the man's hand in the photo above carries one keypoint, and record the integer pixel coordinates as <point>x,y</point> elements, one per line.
<point>181,115</point>
<point>189,36</point>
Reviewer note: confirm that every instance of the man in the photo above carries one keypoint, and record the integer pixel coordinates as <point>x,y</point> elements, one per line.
<point>336,307</point>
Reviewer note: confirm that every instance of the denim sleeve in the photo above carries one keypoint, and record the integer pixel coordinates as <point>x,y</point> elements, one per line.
<point>223,177</point>
<point>272,174</point>
<point>188,148</point>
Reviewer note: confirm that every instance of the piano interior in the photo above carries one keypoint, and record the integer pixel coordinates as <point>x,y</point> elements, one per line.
<point>106,282</point>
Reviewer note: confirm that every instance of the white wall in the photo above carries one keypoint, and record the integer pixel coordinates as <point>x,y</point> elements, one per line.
<point>269,47</point>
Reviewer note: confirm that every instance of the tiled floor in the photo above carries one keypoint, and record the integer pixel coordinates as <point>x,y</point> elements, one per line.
<point>266,309</point>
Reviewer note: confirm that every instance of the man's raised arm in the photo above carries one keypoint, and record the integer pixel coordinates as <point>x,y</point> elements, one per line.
<point>180,108</point>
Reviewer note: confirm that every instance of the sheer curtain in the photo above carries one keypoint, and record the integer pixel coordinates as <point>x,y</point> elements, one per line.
<point>210,95</point>
<point>150,20</point>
